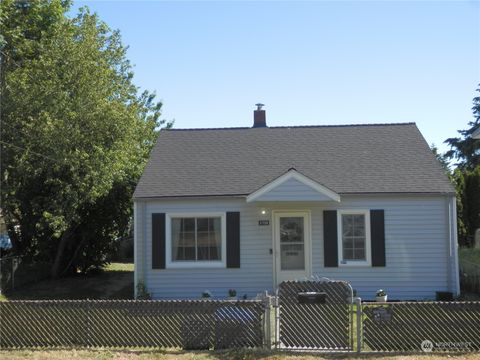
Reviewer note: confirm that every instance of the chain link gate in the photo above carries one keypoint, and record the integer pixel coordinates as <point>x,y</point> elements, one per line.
<point>314,314</point>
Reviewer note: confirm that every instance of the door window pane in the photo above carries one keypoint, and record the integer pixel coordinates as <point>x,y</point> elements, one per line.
<point>291,229</point>
<point>292,257</point>
<point>292,253</point>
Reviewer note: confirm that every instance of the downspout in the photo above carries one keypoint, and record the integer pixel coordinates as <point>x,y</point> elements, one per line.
<point>454,245</point>
<point>139,243</point>
<point>135,248</point>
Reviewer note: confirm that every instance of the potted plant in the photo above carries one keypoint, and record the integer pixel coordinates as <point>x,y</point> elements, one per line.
<point>232,294</point>
<point>206,294</point>
<point>381,296</point>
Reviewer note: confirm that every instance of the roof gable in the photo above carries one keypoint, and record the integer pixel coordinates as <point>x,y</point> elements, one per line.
<point>293,186</point>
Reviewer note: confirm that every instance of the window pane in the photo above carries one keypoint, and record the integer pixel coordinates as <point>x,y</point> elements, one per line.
<point>209,240</point>
<point>186,247</point>
<point>353,236</point>
<point>189,253</point>
<point>348,254</point>
<point>183,239</point>
<point>348,242</point>
<point>347,225</point>
<point>358,219</point>
<point>359,242</point>
<point>359,254</point>
<point>202,224</point>
<point>176,225</point>
<point>359,225</point>
<point>188,224</point>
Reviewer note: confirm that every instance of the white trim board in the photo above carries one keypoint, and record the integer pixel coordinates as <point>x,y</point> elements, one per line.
<point>293,174</point>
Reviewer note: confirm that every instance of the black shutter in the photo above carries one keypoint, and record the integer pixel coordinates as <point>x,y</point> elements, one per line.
<point>158,241</point>
<point>233,239</point>
<point>377,230</point>
<point>330,242</point>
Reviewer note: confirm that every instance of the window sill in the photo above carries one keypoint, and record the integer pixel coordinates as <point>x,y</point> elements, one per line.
<point>355,264</point>
<point>196,265</point>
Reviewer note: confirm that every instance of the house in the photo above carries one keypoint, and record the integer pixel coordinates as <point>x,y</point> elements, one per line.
<point>247,208</point>
<point>476,134</point>
<point>5,242</point>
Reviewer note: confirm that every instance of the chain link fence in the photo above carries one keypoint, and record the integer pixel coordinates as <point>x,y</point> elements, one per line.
<point>421,326</point>
<point>187,324</point>
<point>309,315</point>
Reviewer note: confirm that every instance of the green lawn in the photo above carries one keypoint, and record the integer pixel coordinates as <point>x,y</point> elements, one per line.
<point>115,282</point>
<point>470,255</point>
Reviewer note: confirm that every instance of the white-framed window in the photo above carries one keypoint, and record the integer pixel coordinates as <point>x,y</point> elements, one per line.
<point>195,240</point>
<point>354,243</point>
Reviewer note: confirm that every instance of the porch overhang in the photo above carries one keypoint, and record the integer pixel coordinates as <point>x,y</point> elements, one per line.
<point>293,186</point>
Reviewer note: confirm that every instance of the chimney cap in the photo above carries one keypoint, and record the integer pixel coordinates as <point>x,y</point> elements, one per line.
<point>259,106</point>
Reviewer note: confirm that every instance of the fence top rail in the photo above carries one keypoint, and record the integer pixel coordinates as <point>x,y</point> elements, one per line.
<point>425,302</point>
<point>130,301</point>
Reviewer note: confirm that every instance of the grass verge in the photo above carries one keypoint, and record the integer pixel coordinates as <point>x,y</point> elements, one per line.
<point>212,355</point>
<point>470,255</point>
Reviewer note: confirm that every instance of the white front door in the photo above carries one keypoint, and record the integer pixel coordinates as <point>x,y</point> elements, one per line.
<point>291,245</point>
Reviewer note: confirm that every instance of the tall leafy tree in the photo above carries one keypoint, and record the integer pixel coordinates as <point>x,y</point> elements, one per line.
<point>76,134</point>
<point>467,183</point>
<point>466,176</point>
<point>464,149</point>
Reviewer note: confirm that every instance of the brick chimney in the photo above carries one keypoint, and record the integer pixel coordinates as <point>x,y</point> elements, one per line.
<point>259,118</point>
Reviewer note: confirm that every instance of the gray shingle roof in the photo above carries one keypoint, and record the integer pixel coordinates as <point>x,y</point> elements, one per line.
<point>378,158</point>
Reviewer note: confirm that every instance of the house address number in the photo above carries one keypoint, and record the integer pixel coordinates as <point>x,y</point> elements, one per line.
<point>263,222</point>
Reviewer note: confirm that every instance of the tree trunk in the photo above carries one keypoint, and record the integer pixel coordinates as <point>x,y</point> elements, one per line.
<point>59,256</point>
<point>75,253</point>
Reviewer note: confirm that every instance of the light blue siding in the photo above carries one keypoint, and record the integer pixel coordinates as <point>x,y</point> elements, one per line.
<point>418,255</point>
<point>254,274</point>
<point>293,190</point>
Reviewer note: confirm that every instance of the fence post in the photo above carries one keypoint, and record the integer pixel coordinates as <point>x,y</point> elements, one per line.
<point>277,320</point>
<point>268,324</point>
<point>87,323</point>
<point>358,303</point>
<point>13,274</point>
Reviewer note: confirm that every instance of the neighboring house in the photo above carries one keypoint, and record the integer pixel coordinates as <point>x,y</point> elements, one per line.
<point>246,208</point>
<point>5,242</point>
<point>476,134</point>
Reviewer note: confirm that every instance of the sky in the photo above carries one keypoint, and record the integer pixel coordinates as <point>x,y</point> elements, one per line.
<point>310,63</point>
